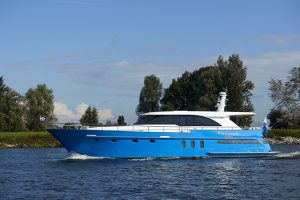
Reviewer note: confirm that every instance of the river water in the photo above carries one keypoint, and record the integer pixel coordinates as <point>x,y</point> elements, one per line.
<point>56,174</point>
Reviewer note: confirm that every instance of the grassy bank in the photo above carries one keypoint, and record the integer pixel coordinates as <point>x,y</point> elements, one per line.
<point>274,133</point>
<point>27,140</point>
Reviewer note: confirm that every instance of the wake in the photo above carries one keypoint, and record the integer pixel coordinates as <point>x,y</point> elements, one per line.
<point>295,154</point>
<point>76,156</point>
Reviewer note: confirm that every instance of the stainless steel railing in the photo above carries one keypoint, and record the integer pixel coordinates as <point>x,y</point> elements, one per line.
<point>139,128</point>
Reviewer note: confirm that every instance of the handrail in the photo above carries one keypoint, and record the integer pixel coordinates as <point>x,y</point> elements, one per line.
<point>140,128</point>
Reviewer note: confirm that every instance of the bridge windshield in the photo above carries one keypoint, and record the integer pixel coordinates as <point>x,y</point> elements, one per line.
<point>180,120</point>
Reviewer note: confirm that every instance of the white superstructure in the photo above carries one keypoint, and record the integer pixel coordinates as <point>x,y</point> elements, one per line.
<point>177,120</point>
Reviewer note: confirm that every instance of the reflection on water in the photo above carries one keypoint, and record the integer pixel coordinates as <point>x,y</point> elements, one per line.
<point>55,174</point>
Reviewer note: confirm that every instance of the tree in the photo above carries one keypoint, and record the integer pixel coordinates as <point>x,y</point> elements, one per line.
<point>193,91</point>
<point>234,79</point>
<point>90,117</point>
<point>293,83</point>
<point>150,95</point>
<point>176,97</point>
<point>110,123</point>
<point>199,90</point>
<point>39,103</point>
<point>11,109</point>
<point>277,119</point>
<point>121,121</point>
<point>286,97</point>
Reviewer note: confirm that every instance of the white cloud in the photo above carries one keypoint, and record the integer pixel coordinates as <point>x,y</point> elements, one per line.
<point>121,74</point>
<point>80,109</point>
<point>271,65</point>
<point>280,39</point>
<point>64,114</point>
<point>123,63</point>
<point>105,114</point>
<point>261,69</point>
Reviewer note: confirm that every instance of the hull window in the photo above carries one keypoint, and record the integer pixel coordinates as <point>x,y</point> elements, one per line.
<point>135,141</point>
<point>97,139</point>
<point>152,141</point>
<point>183,144</point>
<point>192,144</point>
<point>113,140</point>
<point>201,144</point>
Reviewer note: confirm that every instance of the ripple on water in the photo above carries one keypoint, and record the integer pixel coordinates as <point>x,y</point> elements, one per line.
<point>55,174</point>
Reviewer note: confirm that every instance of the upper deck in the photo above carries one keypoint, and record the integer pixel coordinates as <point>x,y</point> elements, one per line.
<point>185,121</point>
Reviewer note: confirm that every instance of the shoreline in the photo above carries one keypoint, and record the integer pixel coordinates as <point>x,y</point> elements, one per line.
<point>28,140</point>
<point>4,145</point>
<point>288,140</point>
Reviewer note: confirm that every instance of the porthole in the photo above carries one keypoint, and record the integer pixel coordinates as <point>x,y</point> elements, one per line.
<point>152,141</point>
<point>113,140</point>
<point>201,144</point>
<point>135,141</point>
<point>97,139</point>
<point>192,144</point>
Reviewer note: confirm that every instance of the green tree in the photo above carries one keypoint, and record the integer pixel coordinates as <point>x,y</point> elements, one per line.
<point>277,119</point>
<point>11,109</point>
<point>176,97</point>
<point>121,121</point>
<point>293,83</point>
<point>150,95</point>
<point>90,117</point>
<point>286,97</point>
<point>207,83</point>
<point>193,91</point>
<point>239,89</point>
<point>110,123</point>
<point>39,103</point>
<point>199,90</point>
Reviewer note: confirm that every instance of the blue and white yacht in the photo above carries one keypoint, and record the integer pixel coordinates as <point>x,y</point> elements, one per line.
<point>185,134</point>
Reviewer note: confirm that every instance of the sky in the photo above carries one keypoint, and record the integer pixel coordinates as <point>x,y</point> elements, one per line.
<point>97,52</point>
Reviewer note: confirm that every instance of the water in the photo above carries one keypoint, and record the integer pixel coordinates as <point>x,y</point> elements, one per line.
<point>55,174</point>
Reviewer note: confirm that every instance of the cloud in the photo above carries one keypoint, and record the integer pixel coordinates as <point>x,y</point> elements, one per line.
<point>262,68</point>
<point>105,114</point>
<point>127,76</point>
<point>280,39</point>
<point>64,114</point>
<point>119,75</point>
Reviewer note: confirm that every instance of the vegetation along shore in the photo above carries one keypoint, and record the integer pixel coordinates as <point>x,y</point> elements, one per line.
<point>27,140</point>
<point>195,91</point>
<point>45,140</point>
<point>284,136</point>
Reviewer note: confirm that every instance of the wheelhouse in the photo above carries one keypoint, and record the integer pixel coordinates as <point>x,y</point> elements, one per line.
<point>180,120</point>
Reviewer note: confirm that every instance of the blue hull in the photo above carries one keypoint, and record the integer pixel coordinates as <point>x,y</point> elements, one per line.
<point>197,143</point>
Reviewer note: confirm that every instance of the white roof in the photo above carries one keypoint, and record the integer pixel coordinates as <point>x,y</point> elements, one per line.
<point>209,114</point>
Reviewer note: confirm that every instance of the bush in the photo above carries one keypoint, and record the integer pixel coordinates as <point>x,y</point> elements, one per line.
<point>284,133</point>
